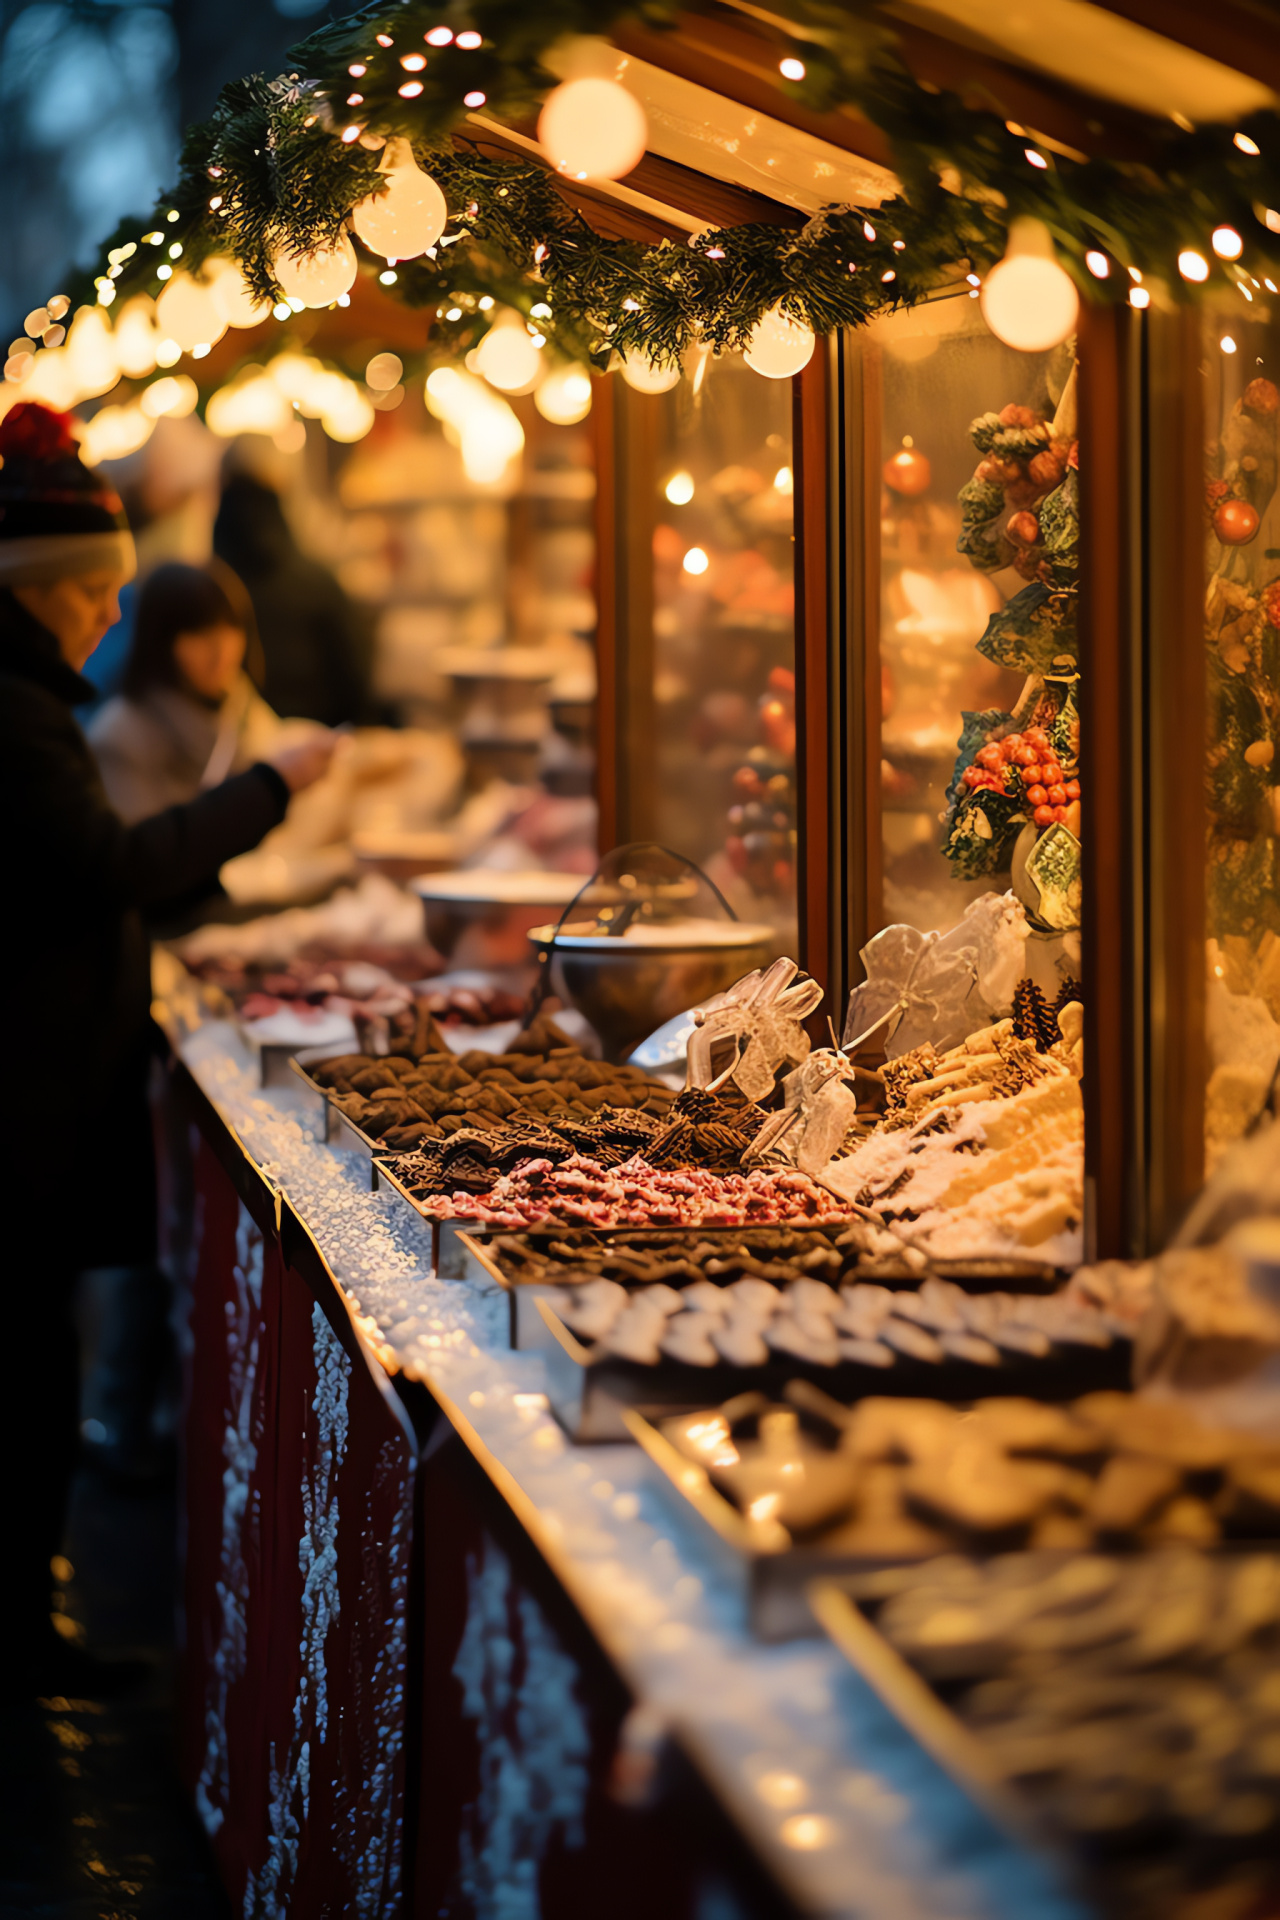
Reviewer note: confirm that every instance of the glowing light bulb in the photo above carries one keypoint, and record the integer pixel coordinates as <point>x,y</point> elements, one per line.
<point>173,397</point>
<point>1227,344</point>
<point>779,346</point>
<point>507,357</point>
<point>1227,243</point>
<point>1027,300</point>
<point>317,278</point>
<point>1193,265</point>
<point>564,397</point>
<point>408,214</point>
<point>679,489</point>
<point>695,561</point>
<point>1245,144</point>
<point>187,312</point>
<point>136,337</point>
<point>1139,297</point>
<point>593,129</point>
<point>234,298</point>
<point>791,69</point>
<point>784,481</point>
<point>646,378</point>
<point>1098,264</point>
<point>383,372</point>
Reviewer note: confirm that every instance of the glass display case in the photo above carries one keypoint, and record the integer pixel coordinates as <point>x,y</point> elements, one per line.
<point>702,688</point>
<point>1241,364</point>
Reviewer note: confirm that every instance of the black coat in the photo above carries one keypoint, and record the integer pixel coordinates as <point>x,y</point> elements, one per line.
<point>75,989</point>
<point>317,648</point>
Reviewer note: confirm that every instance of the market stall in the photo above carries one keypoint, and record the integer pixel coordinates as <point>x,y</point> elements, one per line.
<point>662,1405</point>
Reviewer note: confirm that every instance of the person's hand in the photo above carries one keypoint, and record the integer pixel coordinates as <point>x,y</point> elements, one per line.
<point>301,765</point>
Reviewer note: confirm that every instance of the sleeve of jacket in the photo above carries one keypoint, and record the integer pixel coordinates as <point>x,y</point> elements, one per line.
<point>68,833</point>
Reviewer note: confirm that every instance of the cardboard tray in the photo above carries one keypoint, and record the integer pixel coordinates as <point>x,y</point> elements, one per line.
<point>926,1716</point>
<point>591,1396</point>
<point>481,1258</point>
<point>770,1574</point>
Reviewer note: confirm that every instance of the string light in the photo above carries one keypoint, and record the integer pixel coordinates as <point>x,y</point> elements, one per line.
<point>1192,265</point>
<point>410,90</point>
<point>1098,264</point>
<point>593,129</point>
<point>1028,300</point>
<point>641,375</point>
<point>438,36</point>
<point>1035,159</point>
<point>407,215</point>
<point>316,278</point>
<point>1139,297</point>
<point>473,99</point>
<point>413,62</point>
<point>679,489</point>
<point>1227,243</point>
<point>564,397</point>
<point>696,561</point>
<point>1245,144</point>
<point>1227,344</point>
<point>791,69</point>
<point>779,346</point>
<point>469,40</point>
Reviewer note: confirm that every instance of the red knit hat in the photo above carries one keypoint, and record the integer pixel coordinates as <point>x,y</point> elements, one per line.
<point>57,517</point>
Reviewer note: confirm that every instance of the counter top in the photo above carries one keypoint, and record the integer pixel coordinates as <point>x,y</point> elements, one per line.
<point>849,1814</point>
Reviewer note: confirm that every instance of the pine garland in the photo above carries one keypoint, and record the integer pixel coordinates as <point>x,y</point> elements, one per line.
<point>269,171</point>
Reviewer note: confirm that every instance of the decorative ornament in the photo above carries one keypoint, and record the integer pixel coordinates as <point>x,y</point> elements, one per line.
<point>408,215</point>
<point>1028,300</point>
<point>908,471</point>
<point>319,277</point>
<point>646,378</point>
<point>779,346</point>
<point>564,397</point>
<point>762,1015</point>
<point>187,312</point>
<point>1235,522</point>
<point>593,129</point>
<point>507,357</point>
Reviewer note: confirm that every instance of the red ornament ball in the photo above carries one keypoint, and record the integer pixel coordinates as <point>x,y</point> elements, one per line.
<point>34,432</point>
<point>908,472</point>
<point>1271,603</point>
<point>1235,522</point>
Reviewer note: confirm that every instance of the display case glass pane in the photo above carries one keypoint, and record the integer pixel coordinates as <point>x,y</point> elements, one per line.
<point>723,747</point>
<point>971,1008</point>
<point>1242,644</point>
<point>970,453</point>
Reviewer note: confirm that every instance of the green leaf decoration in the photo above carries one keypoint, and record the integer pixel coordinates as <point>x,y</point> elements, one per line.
<point>1035,632</point>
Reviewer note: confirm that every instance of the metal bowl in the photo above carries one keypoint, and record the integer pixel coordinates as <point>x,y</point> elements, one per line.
<point>482,918</point>
<point>626,989</point>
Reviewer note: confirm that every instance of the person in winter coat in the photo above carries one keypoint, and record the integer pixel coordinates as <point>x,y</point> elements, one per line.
<point>187,714</point>
<point>76,1160</point>
<point>317,652</point>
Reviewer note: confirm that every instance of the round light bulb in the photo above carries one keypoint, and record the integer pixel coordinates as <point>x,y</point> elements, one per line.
<point>1028,300</point>
<point>383,372</point>
<point>1227,243</point>
<point>696,561</point>
<point>186,312</point>
<point>317,278</point>
<point>234,298</point>
<point>679,488</point>
<point>136,338</point>
<point>564,397</point>
<point>1193,265</point>
<point>593,129</point>
<point>645,378</point>
<point>407,214</point>
<point>1098,264</point>
<point>507,357</point>
<point>779,346</point>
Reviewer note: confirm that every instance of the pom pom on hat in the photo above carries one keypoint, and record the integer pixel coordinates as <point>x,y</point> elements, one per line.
<point>30,431</point>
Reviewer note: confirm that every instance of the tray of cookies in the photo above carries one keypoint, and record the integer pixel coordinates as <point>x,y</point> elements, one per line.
<point>803,1485</point>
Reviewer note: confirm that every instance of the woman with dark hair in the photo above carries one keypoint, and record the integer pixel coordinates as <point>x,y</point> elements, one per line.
<point>187,715</point>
